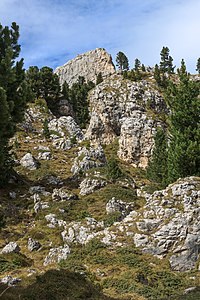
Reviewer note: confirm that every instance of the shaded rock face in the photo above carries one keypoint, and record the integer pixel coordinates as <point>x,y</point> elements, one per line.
<point>89,65</point>
<point>127,110</point>
<point>115,205</point>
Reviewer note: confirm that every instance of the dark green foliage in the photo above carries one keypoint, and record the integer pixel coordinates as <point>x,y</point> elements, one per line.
<point>166,62</point>
<point>137,64</point>
<point>113,171</point>
<point>157,168</point>
<point>184,150</point>
<point>122,61</point>
<point>56,285</point>
<point>110,219</point>
<point>46,131</point>
<point>44,84</point>
<point>14,93</point>
<point>77,97</point>
<point>198,65</point>
<point>157,75</point>
<point>65,90</point>
<point>99,78</point>
<point>13,261</point>
<point>143,68</point>
<point>131,75</point>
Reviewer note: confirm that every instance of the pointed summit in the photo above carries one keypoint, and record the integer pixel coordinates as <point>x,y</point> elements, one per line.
<point>89,65</point>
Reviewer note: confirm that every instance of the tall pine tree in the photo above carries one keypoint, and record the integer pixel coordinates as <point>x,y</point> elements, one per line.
<point>14,92</point>
<point>157,168</point>
<point>122,61</point>
<point>184,126</point>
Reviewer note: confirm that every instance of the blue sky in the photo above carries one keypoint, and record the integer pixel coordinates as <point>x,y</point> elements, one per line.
<point>54,31</point>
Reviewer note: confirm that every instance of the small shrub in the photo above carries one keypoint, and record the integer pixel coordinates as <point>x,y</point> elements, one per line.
<point>46,131</point>
<point>110,219</point>
<point>113,171</point>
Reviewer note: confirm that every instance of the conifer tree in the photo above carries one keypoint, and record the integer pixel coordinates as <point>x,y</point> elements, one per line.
<point>157,168</point>
<point>157,75</point>
<point>45,84</point>
<point>137,64</point>
<point>65,90</point>
<point>99,78</point>
<point>14,92</point>
<point>78,99</point>
<point>143,68</point>
<point>184,126</point>
<point>166,62</point>
<point>198,65</point>
<point>122,61</point>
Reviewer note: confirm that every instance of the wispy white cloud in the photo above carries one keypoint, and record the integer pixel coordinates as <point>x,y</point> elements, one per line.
<point>53,31</point>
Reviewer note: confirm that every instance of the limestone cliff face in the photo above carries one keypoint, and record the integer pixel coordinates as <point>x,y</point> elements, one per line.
<point>127,110</point>
<point>89,65</point>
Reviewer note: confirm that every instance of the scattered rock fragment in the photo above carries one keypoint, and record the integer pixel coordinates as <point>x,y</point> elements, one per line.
<point>57,254</point>
<point>12,247</point>
<point>33,245</point>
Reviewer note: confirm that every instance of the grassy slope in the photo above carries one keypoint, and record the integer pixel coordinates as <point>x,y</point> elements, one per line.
<point>120,273</point>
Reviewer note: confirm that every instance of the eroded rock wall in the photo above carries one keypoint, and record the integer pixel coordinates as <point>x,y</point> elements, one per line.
<point>128,111</point>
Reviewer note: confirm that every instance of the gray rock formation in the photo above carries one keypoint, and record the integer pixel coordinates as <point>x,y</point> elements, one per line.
<point>57,254</point>
<point>29,162</point>
<point>53,221</point>
<point>168,225</point>
<point>115,205</point>
<point>136,139</point>
<point>65,127</point>
<point>63,194</point>
<point>44,155</point>
<point>10,281</point>
<point>33,245</point>
<point>128,111</point>
<point>11,247</point>
<point>89,185</point>
<point>89,65</point>
<point>88,158</point>
<point>81,233</point>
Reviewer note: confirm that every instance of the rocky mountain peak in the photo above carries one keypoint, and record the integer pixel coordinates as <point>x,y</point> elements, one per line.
<point>89,65</point>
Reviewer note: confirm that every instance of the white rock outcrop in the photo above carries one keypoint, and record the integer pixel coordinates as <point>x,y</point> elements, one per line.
<point>128,111</point>
<point>88,65</point>
<point>29,162</point>
<point>11,247</point>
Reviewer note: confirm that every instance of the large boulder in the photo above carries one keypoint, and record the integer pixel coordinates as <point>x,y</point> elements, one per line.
<point>33,245</point>
<point>29,162</point>
<point>88,158</point>
<point>88,65</point>
<point>65,127</point>
<point>11,247</point>
<point>57,254</point>
<point>89,185</point>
